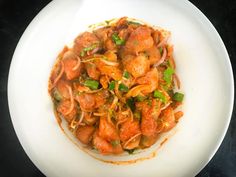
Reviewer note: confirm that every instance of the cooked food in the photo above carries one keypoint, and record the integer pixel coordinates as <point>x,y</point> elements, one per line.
<point>116,86</point>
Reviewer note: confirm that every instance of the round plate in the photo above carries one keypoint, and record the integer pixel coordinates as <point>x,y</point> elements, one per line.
<point>203,66</point>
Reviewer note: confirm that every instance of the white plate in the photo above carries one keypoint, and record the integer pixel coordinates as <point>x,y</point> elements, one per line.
<point>202,64</point>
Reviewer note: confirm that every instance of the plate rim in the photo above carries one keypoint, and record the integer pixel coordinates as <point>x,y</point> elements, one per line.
<point>186,3</point>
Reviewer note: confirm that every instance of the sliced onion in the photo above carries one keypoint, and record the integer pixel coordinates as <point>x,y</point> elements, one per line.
<point>165,106</point>
<point>74,124</point>
<point>163,42</point>
<point>81,118</point>
<point>163,57</point>
<point>99,114</point>
<point>120,122</point>
<point>110,63</point>
<point>135,91</point>
<point>77,65</point>
<point>177,80</point>
<point>131,139</point>
<point>71,100</point>
<point>114,102</point>
<point>59,75</point>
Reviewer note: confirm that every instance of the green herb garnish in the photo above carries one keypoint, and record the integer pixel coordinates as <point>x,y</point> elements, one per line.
<point>133,23</point>
<point>115,143</point>
<point>130,151</point>
<point>131,104</point>
<point>112,85</point>
<point>137,115</point>
<point>56,95</point>
<point>117,39</point>
<point>86,49</point>
<point>82,53</point>
<point>126,74</point>
<point>123,88</point>
<point>168,75</point>
<point>159,95</point>
<point>140,98</point>
<point>178,97</point>
<point>92,84</point>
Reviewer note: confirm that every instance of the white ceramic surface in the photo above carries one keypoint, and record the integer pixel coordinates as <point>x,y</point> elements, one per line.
<point>203,66</point>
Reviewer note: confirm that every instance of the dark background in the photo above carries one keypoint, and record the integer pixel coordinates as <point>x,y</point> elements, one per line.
<point>15,15</point>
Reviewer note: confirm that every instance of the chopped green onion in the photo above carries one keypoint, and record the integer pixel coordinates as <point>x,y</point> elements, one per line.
<point>112,85</point>
<point>140,98</point>
<point>178,97</point>
<point>123,88</point>
<point>159,95</point>
<point>117,39</point>
<point>149,102</point>
<point>82,53</point>
<point>57,95</point>
<point>126,74</point>
<point>86,49</point>
<point>133,23</point>
<point>93,46</point>
<point>91,84</point>
<point>137,115</point>
<point>115,143</point>
<point>168,75</point>
<point>130,151</point>
<point>130,103</point>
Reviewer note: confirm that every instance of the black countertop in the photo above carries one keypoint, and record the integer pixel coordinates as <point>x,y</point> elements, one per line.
<point>15,17</point>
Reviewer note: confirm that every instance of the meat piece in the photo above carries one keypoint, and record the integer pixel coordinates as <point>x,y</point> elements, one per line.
<point>87,101</point>
<point>72,65</point>
<point>107,130</point>
<point>139,40</point>
<point>168,119</point>
<point>136,65</point>
<point>151,79</point>
<point>84,133</point>
<point>63,108</point>
<point>85,40</point>
<point>154,54</point>
<point>128,129</point>
<point>103,33</point>
<point>150,115</point>
<point>112,71</point>
<point>104,147</point>
<point>90,101</point>
<point>92,71</point>
<point>62,88</point>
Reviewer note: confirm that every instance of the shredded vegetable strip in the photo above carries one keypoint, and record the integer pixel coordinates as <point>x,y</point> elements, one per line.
<point>71,100</point>
<point>59,75</point>
<point>162,58</point>
<point>131,139</point>
<point>77,65</point>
